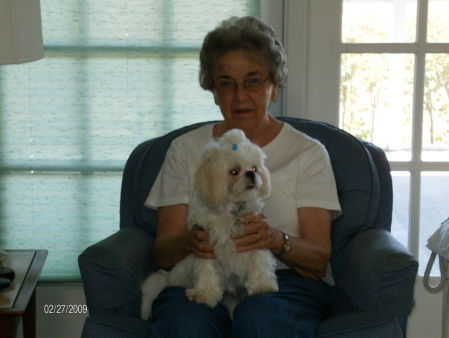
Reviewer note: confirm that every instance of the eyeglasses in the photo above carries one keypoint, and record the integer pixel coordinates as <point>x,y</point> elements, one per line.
<point>251,85</point>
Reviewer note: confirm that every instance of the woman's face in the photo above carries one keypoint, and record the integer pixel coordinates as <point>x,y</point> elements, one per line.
<point>243,90</point>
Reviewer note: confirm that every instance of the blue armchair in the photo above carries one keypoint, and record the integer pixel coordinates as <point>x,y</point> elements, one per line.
<point>374,273</point>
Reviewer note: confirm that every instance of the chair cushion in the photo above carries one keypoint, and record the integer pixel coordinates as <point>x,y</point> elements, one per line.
<point>383,219</point>
<point>360,324</point>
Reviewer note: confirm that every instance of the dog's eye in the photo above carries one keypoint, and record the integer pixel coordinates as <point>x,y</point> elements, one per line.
<point>235,172</point>
<point>254,169</point>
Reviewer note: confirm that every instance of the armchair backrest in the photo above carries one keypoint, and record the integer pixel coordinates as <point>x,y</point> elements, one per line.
<point>361,171</point>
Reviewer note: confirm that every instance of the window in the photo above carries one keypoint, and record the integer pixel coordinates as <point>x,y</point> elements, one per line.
<point>114,74</point>
<point>383,68</point>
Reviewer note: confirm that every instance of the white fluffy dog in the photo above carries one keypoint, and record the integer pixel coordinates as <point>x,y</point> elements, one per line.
<point>232,180</point>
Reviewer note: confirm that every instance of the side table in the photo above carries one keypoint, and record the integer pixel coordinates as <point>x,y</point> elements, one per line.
<point>18,301</point>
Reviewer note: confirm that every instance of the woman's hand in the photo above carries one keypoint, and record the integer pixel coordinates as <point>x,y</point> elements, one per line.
<point>309,253</point>
<point>256,234</point>
<point>198,242</point>
<point>174,241</point>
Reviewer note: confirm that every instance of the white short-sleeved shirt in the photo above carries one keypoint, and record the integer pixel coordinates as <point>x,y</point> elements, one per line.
<point>301,175</point>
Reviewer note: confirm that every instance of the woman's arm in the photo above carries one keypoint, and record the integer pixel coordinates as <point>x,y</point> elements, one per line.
<point>309,253</point>
<point>174,241</point>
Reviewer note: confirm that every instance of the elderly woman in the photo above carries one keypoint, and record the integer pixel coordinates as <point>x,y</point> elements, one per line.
<point>244,66</point>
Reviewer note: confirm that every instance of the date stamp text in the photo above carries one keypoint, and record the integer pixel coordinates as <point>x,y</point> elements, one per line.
<point>58,309</point>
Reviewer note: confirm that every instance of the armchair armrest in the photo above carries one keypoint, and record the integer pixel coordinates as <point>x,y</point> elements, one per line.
<point>375,271</point>
<point>113,269</point>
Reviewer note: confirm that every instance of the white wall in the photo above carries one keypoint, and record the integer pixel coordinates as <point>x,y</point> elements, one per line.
<point>425,320</point>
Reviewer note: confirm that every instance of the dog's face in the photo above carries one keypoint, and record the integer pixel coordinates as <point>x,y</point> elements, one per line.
<point>232,170</point>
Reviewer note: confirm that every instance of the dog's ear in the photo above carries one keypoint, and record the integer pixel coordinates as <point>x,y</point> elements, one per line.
<point>212,178</point>
<point>266,181</point>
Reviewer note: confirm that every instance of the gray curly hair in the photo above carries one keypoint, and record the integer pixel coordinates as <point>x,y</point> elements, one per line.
<point>247,34</point>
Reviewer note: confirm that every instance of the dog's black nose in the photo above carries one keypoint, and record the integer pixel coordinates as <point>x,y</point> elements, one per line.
<point>251,175</point>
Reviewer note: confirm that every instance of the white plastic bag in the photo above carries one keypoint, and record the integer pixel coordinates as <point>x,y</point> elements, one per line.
<point>438,243</point>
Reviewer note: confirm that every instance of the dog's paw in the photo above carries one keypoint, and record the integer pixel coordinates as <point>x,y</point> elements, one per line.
<point>203,297</point>
<point>145,310</point>
<point>259,287</point>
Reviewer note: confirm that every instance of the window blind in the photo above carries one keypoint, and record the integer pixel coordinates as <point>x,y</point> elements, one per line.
<point>114,74</point>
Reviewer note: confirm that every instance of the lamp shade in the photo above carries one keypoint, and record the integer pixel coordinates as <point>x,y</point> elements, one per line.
<point>20,31</point>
